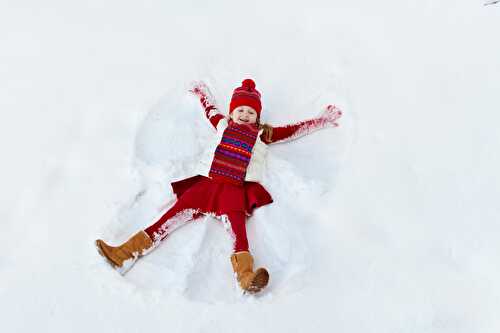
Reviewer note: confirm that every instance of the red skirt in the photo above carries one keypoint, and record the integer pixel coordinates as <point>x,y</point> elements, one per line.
<point>210,196</point>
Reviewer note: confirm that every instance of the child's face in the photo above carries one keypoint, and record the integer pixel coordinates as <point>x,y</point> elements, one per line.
<point>244,115</point>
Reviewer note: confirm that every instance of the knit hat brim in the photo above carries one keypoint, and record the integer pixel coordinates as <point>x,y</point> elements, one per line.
<point>245,100</point>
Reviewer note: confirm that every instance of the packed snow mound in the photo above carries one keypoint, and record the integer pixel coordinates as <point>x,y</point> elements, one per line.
<point>194,260</point>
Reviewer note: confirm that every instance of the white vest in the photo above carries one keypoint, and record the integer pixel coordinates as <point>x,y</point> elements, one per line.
<point>256,165</point>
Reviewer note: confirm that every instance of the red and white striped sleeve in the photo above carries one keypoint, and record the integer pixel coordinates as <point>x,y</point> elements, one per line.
<point>287,133</point>
<point>294,131</point>
<point>207,100</point>
<point>211,112</point>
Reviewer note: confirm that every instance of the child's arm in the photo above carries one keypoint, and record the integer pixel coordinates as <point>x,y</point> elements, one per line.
<point>328,118</point>
<point>207,100</point>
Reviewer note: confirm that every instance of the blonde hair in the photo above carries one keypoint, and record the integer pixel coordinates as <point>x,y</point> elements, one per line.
<point>268,131</point>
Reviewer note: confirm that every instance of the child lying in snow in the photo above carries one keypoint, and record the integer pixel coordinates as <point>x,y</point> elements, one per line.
<point>227,185</point>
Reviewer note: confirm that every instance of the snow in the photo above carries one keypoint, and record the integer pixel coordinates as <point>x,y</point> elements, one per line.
<point>388,223</point>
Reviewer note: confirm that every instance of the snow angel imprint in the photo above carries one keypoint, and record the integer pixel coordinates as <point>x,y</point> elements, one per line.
<point>227,183</point>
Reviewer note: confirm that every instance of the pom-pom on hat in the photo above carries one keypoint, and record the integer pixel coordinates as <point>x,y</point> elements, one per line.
<point>246,95</point>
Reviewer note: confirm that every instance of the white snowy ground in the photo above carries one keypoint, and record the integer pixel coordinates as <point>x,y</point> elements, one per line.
<point>389,223</point>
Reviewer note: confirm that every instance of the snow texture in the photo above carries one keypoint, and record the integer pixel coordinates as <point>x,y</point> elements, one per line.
<point>387,223</point>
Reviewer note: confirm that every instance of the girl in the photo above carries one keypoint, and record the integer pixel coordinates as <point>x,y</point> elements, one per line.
<point>227,185</point>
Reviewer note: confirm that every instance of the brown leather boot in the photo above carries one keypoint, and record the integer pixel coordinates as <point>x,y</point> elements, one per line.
<point>243,267</point>
<point>123,257</point>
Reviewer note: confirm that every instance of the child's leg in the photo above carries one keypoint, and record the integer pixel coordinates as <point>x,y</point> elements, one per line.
<point>122,257</point>
<point>242,260</point>
<point>175,217</point>
<point>236,221</point>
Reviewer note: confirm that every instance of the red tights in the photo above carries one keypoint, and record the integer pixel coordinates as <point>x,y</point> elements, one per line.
<point>179,215</point>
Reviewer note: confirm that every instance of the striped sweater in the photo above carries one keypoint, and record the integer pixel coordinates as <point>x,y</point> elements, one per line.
<point>256,162</point>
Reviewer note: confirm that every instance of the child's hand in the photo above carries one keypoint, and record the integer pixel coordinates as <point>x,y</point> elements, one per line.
<point>201,90</point>
<point>196,87</point>
<point>330,114</point>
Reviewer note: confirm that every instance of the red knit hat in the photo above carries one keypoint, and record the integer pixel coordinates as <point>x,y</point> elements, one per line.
<point>246,95</point>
